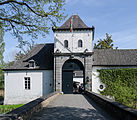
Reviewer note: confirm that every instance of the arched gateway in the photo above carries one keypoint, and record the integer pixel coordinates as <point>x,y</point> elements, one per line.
<point>73,55</point>
<point>71,69</point>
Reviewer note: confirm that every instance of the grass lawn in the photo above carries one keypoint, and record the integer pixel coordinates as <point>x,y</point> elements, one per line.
<point>7,108</point>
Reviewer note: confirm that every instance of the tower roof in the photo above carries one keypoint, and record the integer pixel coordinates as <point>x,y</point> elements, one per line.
<point>77,24</point>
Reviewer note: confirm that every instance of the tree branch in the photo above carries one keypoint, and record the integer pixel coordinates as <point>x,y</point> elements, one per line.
<point>17,22</point>
<point>23,3</point>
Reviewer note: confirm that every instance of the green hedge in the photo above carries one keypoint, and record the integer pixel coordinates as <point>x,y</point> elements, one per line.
<point>120,84</point>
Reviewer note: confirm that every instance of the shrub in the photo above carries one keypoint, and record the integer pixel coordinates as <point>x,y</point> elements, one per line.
<point>120,84</point>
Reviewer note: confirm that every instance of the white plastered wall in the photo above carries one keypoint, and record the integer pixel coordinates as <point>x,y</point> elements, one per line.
<point>73,37</point>
<point>47,82</point>
<point>95,79</point>
<point>15,92</point>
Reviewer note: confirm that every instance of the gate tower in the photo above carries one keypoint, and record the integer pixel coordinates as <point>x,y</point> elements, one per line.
<point>73,42</point>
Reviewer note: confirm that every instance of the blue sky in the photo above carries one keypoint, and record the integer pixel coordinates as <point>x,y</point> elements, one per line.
<point>116,17</point>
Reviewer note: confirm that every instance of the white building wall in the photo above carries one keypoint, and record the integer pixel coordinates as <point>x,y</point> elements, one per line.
<point>47,82</point>
<point>95,79</point>
<point>15,92</point>
<point>85,36</point>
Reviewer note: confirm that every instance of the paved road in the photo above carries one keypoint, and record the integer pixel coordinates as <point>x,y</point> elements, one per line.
<point>71,107</point>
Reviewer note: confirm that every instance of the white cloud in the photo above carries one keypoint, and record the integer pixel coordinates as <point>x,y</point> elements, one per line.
<point>125,39</point>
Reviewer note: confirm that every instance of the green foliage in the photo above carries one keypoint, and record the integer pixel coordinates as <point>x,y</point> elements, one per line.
<point>2,46</point>
<point>8,108</point>
<point>121,84</point>
<point>106,43</point>
<point>25,48</point>
<point>30,17</point>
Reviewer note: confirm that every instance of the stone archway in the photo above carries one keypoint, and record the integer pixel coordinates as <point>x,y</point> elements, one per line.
<point>68,69</point>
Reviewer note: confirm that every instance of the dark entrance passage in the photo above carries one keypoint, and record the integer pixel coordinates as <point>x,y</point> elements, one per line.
<point>68,69</point>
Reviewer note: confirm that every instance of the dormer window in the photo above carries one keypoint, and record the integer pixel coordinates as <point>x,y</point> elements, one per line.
<point>66,44</point>
<point>31,64</point>
<point>80,44</point>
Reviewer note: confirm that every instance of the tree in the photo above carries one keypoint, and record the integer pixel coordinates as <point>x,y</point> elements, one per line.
<point>106,43</point>
<point>2,45</point>
<point>30,17</point>
<point>25,48</point>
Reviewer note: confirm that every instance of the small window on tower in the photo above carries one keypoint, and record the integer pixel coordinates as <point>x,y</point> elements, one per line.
<point>66,44</point>
<point>80,43</point>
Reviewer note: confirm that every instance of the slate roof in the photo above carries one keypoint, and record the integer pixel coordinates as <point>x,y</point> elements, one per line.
<point>113,57</point>
<point>42,54</point>
<point>77,24</point>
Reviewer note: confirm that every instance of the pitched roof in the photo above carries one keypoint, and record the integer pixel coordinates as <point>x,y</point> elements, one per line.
<point>77,24</point>
<point>122,57</point>
<point>42,54</point>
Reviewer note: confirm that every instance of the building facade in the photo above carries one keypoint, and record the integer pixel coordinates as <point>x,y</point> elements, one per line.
<point>74,47</point>
<point>57,66</point>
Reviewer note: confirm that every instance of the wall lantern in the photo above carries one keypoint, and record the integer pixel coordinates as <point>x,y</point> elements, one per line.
<point>85,51</point>
<point>57,51</point>
<point>87,79</point>
<point>71,56</point>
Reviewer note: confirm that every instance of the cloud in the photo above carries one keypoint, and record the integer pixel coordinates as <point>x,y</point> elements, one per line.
<point>125,39</point>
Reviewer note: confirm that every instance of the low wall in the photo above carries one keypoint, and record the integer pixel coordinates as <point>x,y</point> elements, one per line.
<point>25,112</point>
<point>115,109</point>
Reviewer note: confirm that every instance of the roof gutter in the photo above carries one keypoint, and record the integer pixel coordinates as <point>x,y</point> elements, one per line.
<point>68,29</point>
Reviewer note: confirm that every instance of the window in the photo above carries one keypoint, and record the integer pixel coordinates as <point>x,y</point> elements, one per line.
<point>27,83</point>
<point>66,44</point>
<point>31,64</point>
<point>80,43</point>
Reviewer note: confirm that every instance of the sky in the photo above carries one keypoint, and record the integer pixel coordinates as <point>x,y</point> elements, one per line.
<point>115,17</point>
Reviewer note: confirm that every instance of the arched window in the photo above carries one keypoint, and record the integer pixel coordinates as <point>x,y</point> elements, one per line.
<point>80,44</point>
<point>66,44</point>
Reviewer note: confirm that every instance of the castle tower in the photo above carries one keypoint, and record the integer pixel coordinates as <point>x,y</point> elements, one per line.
<point>72,52</point>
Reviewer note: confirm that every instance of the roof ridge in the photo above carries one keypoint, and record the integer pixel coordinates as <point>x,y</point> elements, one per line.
<point>115,49</point>
<point>77,23</point>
